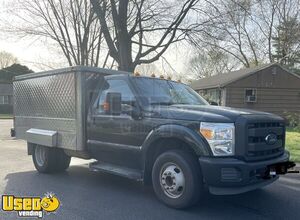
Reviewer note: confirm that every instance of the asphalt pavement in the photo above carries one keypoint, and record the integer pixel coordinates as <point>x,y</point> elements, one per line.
<point>93,195</point>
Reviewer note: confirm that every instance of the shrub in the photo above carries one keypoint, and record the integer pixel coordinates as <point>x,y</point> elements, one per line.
<point>293,119</point>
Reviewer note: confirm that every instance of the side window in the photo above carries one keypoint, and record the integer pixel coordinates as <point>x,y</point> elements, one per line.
<point>4,100</point>
<point>250,95</point>
<point>119,86</point>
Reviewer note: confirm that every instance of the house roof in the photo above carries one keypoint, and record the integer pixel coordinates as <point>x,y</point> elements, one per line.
<point>222,80</point>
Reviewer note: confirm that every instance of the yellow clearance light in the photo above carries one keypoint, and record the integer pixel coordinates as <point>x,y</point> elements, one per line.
<point>105,106</point>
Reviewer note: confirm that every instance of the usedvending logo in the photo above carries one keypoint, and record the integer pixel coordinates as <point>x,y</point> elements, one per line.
<point>30,206</point>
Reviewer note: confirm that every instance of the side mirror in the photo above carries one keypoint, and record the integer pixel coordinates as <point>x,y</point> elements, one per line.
<point>135,114</point>
<point>213,103</point>
<point>113,103</point>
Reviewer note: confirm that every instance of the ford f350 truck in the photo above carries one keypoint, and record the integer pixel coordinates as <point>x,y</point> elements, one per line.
<point>148,129</point>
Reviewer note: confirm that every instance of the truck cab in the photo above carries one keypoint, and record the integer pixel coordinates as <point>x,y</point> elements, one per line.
<point>163,133</point>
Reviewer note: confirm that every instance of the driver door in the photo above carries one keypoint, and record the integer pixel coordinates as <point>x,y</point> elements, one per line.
<point>116,138</point>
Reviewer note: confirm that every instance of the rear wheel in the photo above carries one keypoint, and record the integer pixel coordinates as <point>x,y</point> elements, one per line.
<point>48,160</point>
<point>176,179</point>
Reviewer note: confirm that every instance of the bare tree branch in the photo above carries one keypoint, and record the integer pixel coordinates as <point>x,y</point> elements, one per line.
<point>71,24</point>
<point>137,21</point>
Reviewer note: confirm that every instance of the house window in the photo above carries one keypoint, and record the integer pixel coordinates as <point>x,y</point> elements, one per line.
<point>4,99</point>
<point>250,95</point>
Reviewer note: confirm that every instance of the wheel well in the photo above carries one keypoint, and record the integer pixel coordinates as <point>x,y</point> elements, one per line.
<point>30,148</point>
<point>160,146</point>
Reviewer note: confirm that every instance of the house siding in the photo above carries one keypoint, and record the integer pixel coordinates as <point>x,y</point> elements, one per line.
<point>6,89</point>
<point>277,91</point>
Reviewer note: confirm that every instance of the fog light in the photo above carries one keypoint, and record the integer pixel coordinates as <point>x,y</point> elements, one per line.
<point>230,175</point>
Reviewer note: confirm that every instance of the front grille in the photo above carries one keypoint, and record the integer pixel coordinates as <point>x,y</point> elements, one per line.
<point>257,146</point>
<point>265,125</point>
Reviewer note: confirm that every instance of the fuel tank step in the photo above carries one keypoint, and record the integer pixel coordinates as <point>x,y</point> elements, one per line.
<point>117,170</point>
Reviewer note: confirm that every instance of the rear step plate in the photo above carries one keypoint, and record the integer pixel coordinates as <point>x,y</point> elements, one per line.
<point>117,170</point>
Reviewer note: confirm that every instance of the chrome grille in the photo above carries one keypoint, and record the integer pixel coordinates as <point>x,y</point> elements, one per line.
<point>257,146</point>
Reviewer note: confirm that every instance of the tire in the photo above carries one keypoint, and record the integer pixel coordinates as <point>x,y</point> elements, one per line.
<point>50,160</point>
<point>180,172</point>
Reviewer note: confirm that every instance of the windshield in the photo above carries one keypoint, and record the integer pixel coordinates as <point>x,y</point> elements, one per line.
<point>163,92</point>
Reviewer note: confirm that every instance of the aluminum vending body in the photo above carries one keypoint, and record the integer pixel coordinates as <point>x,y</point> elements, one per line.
<point>50,108</point>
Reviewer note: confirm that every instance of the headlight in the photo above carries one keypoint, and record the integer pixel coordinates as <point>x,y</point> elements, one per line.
<point>220,137</point>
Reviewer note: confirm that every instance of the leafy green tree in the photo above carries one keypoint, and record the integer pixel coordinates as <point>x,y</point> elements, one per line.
<point>287,43</point>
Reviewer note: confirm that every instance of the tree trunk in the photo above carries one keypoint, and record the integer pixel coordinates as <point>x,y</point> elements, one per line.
<point>124,40</point>
<point>124,52</point>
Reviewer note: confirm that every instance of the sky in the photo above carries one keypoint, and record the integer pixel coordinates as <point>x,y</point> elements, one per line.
<point>39,54</point>
<point>28,51</point>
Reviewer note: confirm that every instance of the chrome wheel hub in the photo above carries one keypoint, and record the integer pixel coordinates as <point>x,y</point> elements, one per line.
<point>172,180</point>
<point>40,155</point>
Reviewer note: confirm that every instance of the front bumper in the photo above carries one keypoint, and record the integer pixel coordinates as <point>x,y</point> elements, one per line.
<point>226,176</point>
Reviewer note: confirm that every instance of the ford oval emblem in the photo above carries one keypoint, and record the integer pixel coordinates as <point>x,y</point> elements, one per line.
<point>271,139</point>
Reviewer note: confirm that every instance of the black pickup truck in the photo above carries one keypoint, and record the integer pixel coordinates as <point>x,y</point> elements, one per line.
<point>150,129</point>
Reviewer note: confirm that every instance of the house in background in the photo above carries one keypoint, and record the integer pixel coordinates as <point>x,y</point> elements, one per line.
<point>6,86</point>
<point>6,98</point>
<point>269,88</point>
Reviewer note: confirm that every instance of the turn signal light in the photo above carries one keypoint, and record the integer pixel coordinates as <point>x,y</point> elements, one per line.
<point>208,134</point>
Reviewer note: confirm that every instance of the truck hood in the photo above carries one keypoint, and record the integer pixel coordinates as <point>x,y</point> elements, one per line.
<point>207,113</point>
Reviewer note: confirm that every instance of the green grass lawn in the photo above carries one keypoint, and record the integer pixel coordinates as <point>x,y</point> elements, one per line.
<point>6,116</point>
<point>293,144</point>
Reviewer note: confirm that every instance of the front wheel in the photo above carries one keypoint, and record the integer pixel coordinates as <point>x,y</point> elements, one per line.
<point>176,179</point>
<point>49,160</point>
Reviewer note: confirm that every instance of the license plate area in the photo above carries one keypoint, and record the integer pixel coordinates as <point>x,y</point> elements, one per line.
<point>281,168</point>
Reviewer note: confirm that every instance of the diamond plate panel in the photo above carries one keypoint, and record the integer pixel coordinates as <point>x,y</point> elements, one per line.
<point>49,103</point>
<point>50,96</point>
<point>56,100</point>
